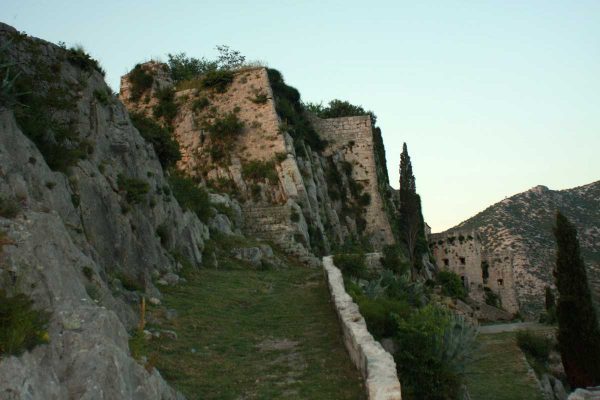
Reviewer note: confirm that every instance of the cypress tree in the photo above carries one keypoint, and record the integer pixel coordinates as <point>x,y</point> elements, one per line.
<point>578,331</point>
<point>410,219</point>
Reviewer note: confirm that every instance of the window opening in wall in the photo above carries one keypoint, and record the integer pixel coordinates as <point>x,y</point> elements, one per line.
<point>500,282</point>
<point>462,261</point>
<point>485,271</point>
<point>446,262</point>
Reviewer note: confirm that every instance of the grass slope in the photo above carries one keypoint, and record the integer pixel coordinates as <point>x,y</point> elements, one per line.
<point>500,371</point>
<point>247,334</point>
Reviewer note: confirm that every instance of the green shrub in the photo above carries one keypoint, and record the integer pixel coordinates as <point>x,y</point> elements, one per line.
<point>218,80</point>
<point>433,347</point>
<point>103,97</point>
<point>225,127</point>
<point>135,189</point>
<point>364,199</point>
<point>452,285</point>
<point>140,81</point>
<point>190,196</point>
<point>79,58</point>
<point>21,326</point>
<point>294,216</point>
<point>185,68</point>
<point>259,98</point>
<point>9,208</point>
<point>200,104</point>
<point>257,170</point>
<point>57,141</point>
<point>402,288</point>
<point>131,282</point>
<point>88,272</point>
<point>548,317</point>
<point>339,108</point>
<point>380,315</point>
<point>40,112</point>
<point>166,107</point>
<point>162,231</point>
<point>353,265</point>
<point>535,345</point>
<point>229,58</point>
<point>391,259</point>
<point>292,112</point>
<point>166,148</point>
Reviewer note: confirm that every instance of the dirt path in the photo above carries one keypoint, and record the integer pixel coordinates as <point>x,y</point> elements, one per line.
<point>512,327</point>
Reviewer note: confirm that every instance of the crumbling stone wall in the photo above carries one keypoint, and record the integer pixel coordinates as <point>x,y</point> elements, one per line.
<point>464,254</point>
<point>376,365</point>
<point>353,137</point>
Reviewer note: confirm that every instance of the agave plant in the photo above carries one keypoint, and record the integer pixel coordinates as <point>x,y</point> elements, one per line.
<point>458,343</point>
<point>373,289</point>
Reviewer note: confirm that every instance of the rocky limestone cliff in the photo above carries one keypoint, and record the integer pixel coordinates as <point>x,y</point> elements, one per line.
<point>521,225</point>
<point>80,239</point>
<point>308,200</point>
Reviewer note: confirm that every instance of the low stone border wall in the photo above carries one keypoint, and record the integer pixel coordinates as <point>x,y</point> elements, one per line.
<point>376,365</point>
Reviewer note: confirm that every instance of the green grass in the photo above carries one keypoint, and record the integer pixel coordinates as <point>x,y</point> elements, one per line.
<point>223,318</point>
<point>499,371</point>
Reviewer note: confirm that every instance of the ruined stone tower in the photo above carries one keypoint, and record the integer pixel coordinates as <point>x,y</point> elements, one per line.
<point>479,269</point>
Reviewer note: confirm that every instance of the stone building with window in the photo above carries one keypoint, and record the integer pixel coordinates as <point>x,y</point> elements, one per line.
<point>487,276</point>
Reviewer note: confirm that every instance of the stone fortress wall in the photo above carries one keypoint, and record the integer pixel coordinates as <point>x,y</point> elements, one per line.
<point>464,254</point>
<point>354,137</point>
<point>301,187</point>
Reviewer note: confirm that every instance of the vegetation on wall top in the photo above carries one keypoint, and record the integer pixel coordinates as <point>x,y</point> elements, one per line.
<point>185,68</point>
<point>339,108</point>
<point>140,80</point>
<point>292,112</point>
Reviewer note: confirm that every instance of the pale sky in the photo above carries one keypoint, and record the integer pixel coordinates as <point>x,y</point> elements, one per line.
<point>492,97</point>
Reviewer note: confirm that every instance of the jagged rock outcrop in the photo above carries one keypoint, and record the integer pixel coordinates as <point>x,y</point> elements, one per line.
<point>306,199</point>
<point>82,245</point>
<point>520,229</point>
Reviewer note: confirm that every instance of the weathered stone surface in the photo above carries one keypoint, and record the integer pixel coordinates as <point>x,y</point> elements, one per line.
<point>221,224</point>
<point>76,222</point>
<point>375,364</point>
<point>463,253</point>
<point>171,278</point>
<point>253,255</point>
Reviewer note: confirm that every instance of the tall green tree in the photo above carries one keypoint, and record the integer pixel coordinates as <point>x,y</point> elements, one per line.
<point>410,219</point>
<point>578,331</point>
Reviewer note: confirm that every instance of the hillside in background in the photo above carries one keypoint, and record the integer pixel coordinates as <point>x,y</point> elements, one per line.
<point>522,224</point>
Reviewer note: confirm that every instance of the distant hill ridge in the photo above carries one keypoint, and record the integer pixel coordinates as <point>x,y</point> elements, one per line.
<point>523,224</point>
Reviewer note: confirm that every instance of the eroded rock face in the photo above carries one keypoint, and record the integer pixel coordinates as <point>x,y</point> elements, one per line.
<point>77,240</point>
